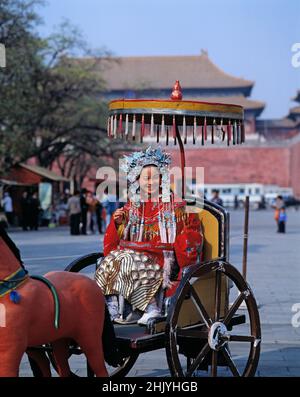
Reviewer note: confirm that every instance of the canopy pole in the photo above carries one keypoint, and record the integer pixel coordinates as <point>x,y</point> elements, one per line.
<point>245,245</point>
<point>182,159</point>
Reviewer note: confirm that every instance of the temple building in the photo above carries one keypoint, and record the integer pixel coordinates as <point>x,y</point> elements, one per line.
<point>200,78</point>
<point>271,154</point>
<point>284,128</point>
<point>294,113</point>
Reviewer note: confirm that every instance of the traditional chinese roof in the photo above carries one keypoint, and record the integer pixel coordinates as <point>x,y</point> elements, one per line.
<point>297,97</point>
<point>276,123</point>
<point>247,104</point>
<point>295,110</point>
<point>44,172</point>
<point>160,72</point>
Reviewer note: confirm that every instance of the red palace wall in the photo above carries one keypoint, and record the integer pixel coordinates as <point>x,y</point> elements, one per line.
<point>295,168</point>
<point>279,165</point>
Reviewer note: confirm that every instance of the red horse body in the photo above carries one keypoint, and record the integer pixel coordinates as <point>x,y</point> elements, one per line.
<point>31,321</point>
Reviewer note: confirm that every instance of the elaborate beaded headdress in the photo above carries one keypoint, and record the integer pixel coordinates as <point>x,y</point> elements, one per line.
<point>133,164</point>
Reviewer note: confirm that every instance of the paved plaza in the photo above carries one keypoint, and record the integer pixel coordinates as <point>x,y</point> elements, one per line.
<point>273,274</point>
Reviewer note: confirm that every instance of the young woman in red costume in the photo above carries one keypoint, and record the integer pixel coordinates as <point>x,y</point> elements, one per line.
<point>146,238</point>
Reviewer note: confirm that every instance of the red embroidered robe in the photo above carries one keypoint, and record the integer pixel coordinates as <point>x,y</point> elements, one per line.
<point>187,245</point>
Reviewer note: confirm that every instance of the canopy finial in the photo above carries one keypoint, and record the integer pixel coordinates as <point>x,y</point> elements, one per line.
<point>176,93</point>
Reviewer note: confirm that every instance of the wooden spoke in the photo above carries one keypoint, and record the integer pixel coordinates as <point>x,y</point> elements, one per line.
<point>200,307</point>
<point>233,309</point>
<point>218,295</point>
<point>214,363</point>
<point>188,362</point>
<point>198,360</point>
<point>230,362</point>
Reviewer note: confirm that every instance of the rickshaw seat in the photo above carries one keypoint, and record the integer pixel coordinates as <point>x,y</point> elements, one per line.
<point>210,229</point>
<point>215,226</point>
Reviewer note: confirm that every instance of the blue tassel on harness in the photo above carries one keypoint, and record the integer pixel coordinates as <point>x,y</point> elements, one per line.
<point>14,296</point>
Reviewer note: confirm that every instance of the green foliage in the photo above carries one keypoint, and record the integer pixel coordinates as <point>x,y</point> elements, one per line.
<point>50,94</point>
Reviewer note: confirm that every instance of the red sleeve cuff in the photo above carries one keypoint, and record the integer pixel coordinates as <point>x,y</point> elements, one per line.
<point>111,238</point>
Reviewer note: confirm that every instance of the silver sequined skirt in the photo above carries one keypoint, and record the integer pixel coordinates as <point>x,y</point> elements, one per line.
<point>132,274</point>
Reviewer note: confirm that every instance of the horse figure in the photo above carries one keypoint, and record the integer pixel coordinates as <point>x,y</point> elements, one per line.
<point>27,314</point>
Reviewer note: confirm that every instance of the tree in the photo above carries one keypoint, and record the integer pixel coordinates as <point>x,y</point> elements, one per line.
<point>50,95</point>
<point>17,88</point>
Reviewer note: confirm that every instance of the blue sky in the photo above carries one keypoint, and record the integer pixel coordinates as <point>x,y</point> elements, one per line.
<point>246,38</point>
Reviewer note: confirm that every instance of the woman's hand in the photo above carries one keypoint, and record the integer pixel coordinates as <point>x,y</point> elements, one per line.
<point>167,284</point>
<point>118,216</point>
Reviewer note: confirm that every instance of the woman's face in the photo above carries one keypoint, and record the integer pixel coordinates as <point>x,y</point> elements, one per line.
<point>150,181</point>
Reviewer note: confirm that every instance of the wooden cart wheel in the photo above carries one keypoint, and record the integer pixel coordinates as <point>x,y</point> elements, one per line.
<point>212,340</point>
<point>83,262</point>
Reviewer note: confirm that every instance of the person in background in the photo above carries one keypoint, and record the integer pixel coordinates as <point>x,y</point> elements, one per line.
<point>99,216</point>
<point>279,214</point>
<point>216,198</point>
<point>236,202</point>
<point>24,211</point>
<point>84,209</point>
<point>282,220</point>
<point>262,204</point>
<point>34,211</point>
<point>74,209</point>
<point>110,204</point>
<point>62,209</point>
<point>7,205</point>
<point>91,212</point>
